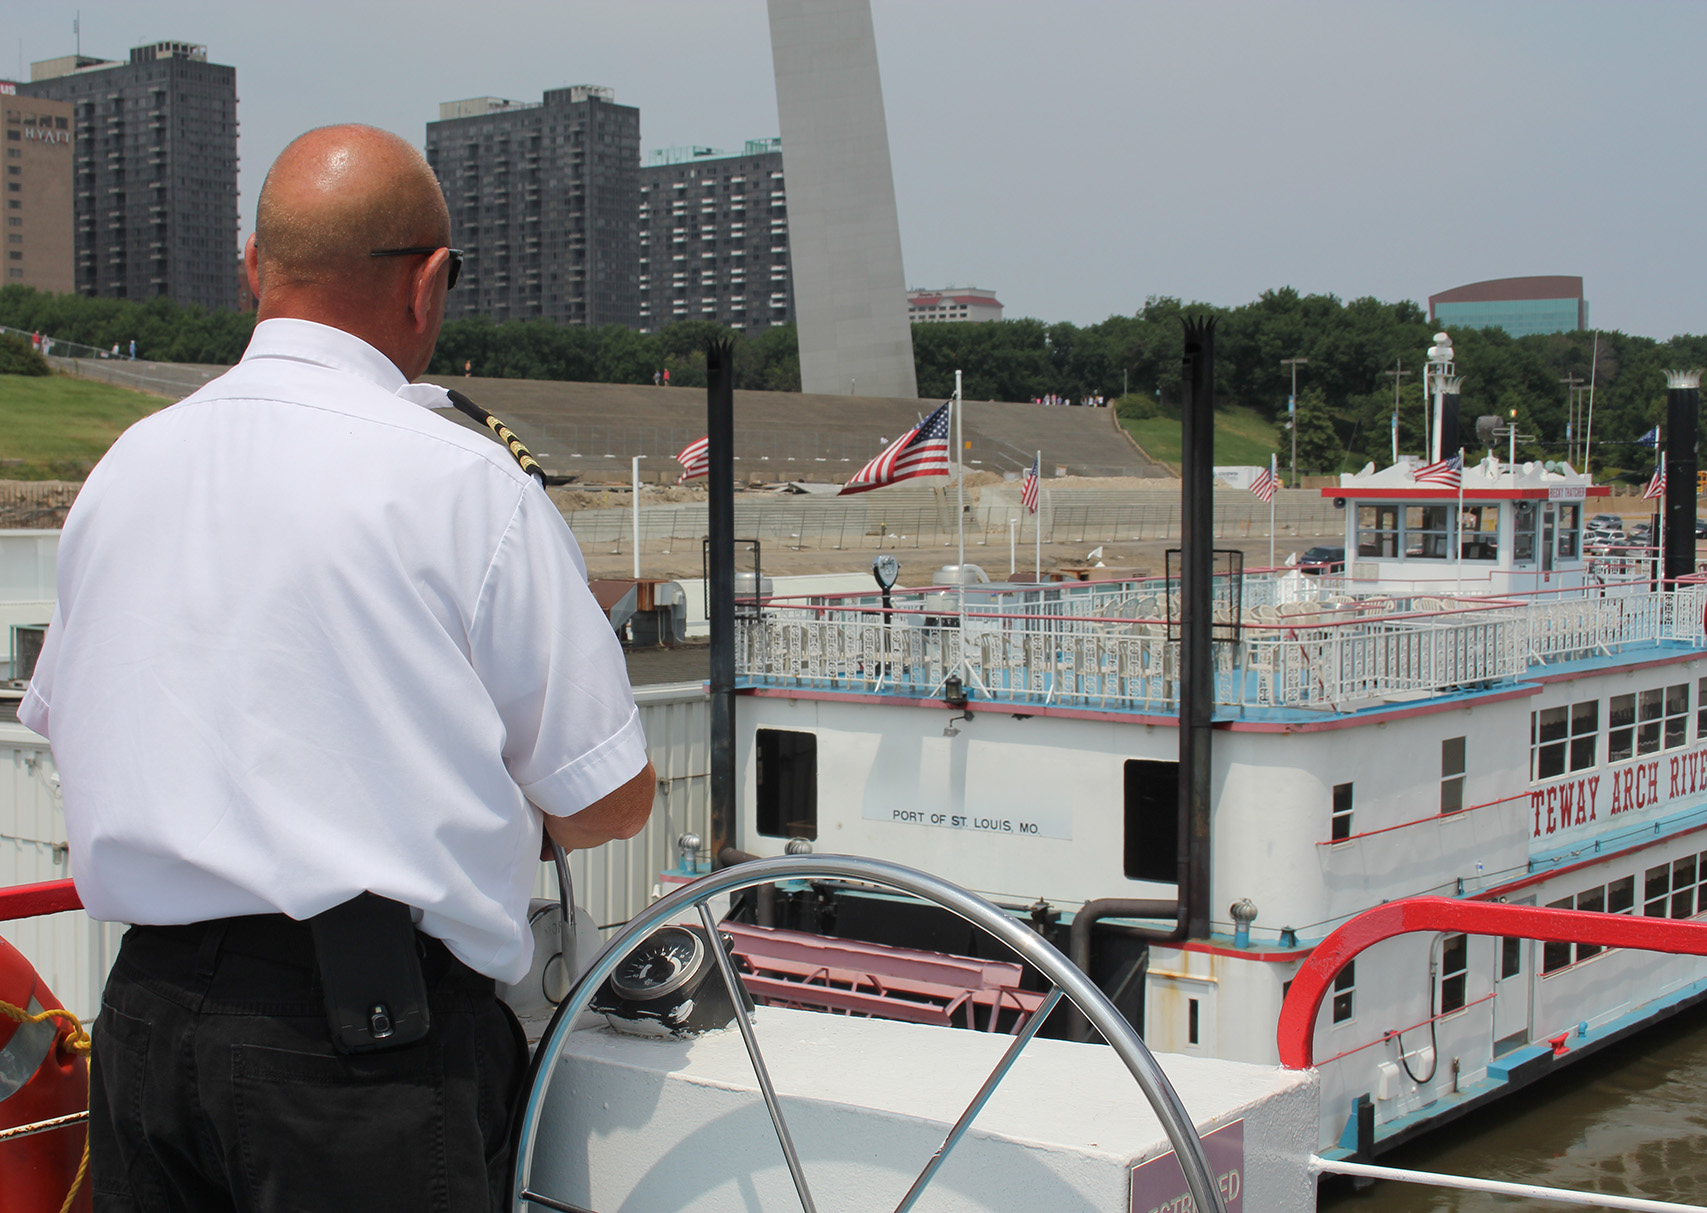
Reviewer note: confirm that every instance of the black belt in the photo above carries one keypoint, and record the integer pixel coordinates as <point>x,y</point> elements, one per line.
<point>373,971</point>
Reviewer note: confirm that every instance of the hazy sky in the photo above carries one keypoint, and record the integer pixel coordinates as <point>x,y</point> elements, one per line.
<point>1080,155</point>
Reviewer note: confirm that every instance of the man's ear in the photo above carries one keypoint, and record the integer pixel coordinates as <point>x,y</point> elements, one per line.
<point>426,296</point>
<point>252,266</point>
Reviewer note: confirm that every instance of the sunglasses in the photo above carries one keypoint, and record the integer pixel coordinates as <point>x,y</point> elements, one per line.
<point>425,250</point>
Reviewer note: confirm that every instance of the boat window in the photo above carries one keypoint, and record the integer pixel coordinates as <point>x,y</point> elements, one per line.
<point>1377,530</point>
<point>1452,775</point>
<point>1345,992</point>
<point>787,783</point>
<point>1677,715</point>
<point>1671,889</point>
<point>1556,956</point>
<point>1593,900</point>
<point>1479,532</point>
<point>1428,532</point>
<point>1683,873</point>
<point>1523,541</point>
<point>1656,891</point>
<point>1621,896</point>
<point>1342,812</point>
<point>1548,741</point>
<point>1563,739</point>
<point>1454,973</point>
<point>1191,1021</point>
<point>1511,957</point>
<point>1152,820</point>
<point>1570,517</point>
<point>1621,728</point>
<point>1662,718</point>
<point>1701,709</point>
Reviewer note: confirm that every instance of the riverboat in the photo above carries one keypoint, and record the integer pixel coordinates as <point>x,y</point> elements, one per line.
<point>1473,708</point>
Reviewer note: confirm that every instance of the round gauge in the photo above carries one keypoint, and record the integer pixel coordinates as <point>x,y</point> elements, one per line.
<point>666,961</point>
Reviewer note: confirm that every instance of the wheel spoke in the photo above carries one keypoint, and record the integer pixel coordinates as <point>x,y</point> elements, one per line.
<point>980,1099</point>
<point>738,998</point>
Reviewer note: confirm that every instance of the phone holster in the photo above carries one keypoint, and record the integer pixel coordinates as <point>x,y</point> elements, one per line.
<point>370,972</point>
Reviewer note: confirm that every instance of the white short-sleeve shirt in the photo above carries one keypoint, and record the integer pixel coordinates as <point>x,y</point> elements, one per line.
<point>314,639</point>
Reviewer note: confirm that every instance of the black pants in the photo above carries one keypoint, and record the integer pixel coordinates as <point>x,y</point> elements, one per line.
<point>214,1085</point>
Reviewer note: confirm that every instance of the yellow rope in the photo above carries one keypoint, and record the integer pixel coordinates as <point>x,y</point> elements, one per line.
<point>75,1040</point>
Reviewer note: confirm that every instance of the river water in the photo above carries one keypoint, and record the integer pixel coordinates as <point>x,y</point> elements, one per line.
<point>1631,1120</point>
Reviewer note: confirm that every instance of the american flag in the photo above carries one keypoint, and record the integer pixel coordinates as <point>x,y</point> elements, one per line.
<point>1028,489</point>
<point>1265,483</point>
<point>1447,473</point>
<point>695,460</point>
<point>921,451</point>
<point>1656,485</point>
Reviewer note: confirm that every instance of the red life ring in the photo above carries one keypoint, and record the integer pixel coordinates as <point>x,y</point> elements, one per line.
<point>37,1171</point>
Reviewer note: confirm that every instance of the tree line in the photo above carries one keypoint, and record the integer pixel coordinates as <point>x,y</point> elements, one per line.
<point>1346,386</point>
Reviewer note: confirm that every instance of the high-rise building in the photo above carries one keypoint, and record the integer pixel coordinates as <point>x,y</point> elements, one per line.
<point>37,190</point>
<point>543,200</point>
<point>155,185</point>
<point>714,237</point>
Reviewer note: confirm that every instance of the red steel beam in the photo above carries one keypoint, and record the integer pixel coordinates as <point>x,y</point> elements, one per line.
<point>1430,914</point>
<point>29,900</point>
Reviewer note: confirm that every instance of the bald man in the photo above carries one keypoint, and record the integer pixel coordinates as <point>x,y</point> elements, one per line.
<point>322,664</point>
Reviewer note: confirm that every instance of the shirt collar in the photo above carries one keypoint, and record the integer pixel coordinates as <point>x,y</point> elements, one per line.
<point>323,345</point>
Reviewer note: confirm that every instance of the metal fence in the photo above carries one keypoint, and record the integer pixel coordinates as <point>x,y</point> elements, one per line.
<point>1113,646</point>
<point>873,521</point>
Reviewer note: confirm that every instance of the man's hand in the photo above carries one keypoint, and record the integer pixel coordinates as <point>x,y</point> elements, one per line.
<point>621,814</point>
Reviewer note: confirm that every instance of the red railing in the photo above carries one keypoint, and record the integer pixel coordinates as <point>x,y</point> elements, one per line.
<point>1430,914</point>
<point>29,900</point>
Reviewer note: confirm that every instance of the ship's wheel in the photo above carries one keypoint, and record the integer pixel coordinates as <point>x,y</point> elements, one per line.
<point>646,961</point>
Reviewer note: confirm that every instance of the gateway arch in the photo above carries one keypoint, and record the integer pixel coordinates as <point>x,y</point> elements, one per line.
<point>850,295</point>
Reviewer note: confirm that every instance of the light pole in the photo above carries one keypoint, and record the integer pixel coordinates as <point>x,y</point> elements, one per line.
<point>1571,395</point>
<point>1292,411</point>
<point>1398,372</point>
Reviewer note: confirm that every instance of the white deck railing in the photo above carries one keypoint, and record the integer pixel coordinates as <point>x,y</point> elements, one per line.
<point>1107,646</point>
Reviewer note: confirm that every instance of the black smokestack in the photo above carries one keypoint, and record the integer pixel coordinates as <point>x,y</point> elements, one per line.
<point>1683,411</point>
<point>1450,438</point>
<point>1197,681</point>
<point>720,457</point>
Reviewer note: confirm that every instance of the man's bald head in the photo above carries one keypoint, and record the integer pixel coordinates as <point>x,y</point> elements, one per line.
<point>336,194</point>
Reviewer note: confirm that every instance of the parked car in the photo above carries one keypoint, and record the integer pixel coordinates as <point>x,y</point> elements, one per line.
<point>1604,522</point>
<point>1701,528</point>
<point>1322,559</point>
<point>1605,543</point>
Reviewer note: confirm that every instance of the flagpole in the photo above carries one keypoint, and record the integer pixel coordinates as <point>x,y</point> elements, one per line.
<point>1037,519</point>
<point>1458,523</point>
<point>636,484</point>
<point>1660,551</point>
<point>1588,430</point>
<point>960,513</point>
<point>1272,494</point>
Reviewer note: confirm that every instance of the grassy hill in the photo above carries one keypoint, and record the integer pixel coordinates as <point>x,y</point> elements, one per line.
<point>56,427</point>
<point>1242,436</point>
